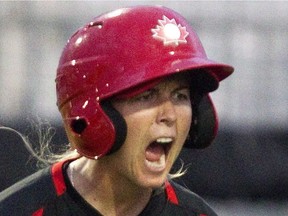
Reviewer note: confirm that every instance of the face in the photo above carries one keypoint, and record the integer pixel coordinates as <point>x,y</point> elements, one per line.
<point>158,123</point>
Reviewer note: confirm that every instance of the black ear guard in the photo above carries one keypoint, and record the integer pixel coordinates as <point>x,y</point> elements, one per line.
<point>204,123</point>
<point>119,124</point>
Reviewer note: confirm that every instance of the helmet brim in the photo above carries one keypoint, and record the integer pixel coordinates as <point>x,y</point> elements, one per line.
<point>205,76</point>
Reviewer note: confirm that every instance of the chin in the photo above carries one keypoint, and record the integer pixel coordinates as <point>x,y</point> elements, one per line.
<point>152,181</point>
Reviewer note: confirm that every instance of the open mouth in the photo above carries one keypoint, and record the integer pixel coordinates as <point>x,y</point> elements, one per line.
<point>156,154</point>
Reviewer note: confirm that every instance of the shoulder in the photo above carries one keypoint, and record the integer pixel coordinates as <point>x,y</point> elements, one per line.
<point>191,201</point>
<point>28,194</point>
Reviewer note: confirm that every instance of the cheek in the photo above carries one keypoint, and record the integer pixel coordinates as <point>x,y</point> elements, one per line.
<point>137,126</point>
<point>185,119</point>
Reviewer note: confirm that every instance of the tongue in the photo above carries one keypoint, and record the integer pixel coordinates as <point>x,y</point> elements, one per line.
<point>154,152</point>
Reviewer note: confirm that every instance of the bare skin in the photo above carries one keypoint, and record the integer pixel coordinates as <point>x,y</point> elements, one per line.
<point>158,122</point>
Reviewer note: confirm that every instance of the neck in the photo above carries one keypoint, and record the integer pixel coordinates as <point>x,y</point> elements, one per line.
<point>106,192</point>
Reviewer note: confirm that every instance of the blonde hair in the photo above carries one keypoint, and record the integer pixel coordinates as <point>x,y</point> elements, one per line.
<point>43,150</point>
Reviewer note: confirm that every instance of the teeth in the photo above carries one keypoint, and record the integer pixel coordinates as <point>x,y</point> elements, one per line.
<point>164,140</point>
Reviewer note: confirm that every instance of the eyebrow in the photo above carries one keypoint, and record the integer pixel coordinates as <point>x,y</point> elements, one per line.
<point>182,87</point>
<point>179,88</point>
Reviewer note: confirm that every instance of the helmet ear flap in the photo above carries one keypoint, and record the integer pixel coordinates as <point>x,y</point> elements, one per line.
<point>92,128</point>
<point>85,129</point>
<point>204,125</point>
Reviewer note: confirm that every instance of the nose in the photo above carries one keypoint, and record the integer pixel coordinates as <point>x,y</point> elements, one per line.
<point>166,113</point>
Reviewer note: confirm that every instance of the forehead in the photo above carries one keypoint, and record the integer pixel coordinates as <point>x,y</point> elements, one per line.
<point>174,81</point>
<point>179,79</point>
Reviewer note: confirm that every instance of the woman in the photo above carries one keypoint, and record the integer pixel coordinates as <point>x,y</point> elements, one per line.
<point>132,88</point>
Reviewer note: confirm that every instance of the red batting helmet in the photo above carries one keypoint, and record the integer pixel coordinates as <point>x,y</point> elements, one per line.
<point>124,50</point>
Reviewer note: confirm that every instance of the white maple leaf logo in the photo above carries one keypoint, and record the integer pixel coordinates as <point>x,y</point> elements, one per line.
<point>169,32</point>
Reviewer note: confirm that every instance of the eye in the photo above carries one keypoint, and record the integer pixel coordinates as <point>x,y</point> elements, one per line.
<point>148,95</point>
<point>182,95</point>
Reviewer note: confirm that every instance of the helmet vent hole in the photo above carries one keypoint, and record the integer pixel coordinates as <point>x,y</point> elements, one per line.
<point>78,125</point>
<point>96,24</point>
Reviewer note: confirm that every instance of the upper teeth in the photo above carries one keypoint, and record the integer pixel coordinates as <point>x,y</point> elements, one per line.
<point>164,140</point>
